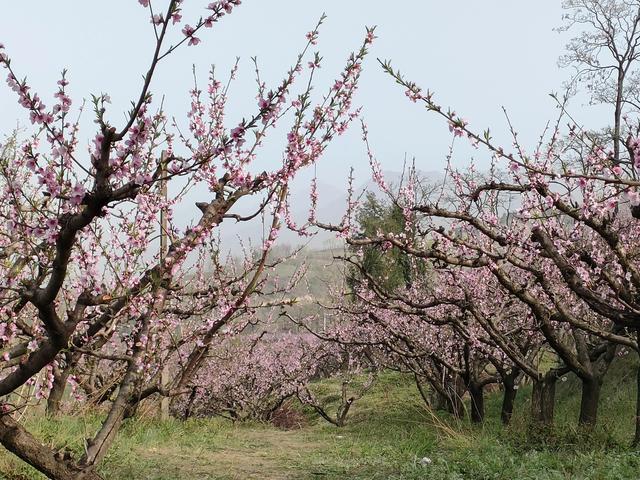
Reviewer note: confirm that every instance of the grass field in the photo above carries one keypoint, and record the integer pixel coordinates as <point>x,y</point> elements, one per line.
<point>387,435</point>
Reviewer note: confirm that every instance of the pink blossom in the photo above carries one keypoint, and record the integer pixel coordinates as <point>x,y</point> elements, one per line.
<point>77,194</point>
<point>188,31</point>
<point>312,37</point>
<point>457,127</point>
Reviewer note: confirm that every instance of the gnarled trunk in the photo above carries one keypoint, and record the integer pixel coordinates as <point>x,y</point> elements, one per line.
<point>476,392</point>
<point>54,465</point>
<point>57,391</point>
<point>543,397</point>
<point>592,384</point>
<point>636,436</point>
<point>589,402</point>
<point>508,399</point>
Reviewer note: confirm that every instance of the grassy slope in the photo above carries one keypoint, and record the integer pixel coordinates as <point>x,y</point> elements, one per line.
<point>388,433</point>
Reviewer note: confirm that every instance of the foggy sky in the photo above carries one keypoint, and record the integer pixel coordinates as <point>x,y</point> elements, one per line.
<point>477,56</point>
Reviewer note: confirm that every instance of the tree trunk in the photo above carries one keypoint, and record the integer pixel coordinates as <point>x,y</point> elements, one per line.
<point>164,400</point>
<point>477,403</point>
<point>341,417</point>
<point>189,407</point>
<point>536,401</point>
<point>589,402</point>
<point>54,465</point>
<point>508,400</point>
<point>543,398</point>
<point>636,437</point>
<point>447,395</point>
<point>421,390</point>
<point>57,391</point>
<point>454,389</point>
<point>441,402</point>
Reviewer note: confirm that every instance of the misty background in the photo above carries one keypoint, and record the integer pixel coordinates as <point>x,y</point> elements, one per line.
<point>511,62</point>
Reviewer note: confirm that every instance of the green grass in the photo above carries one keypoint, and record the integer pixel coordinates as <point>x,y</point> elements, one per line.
<point>387,434</point>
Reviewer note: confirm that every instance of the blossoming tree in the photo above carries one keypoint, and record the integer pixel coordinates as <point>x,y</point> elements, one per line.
<point>83,277</point>
<point>551,230</point>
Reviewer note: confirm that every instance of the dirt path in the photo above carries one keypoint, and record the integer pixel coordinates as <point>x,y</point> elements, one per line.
<point>248,454</point>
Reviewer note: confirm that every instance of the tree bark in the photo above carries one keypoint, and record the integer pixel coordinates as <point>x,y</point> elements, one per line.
<point>341,417</point>
<point>543,400</point>
<point>15,438</point>
<point>421,390</point>
<point>439,401</point>
<point>189,407</point>
<point>589,402</point>
<point>57,391</point>
<point>476,393</point>
<point>508,400</point>
<point>636,437</point>
<point>455,389</point>
<point>592,384</point>
<point>125,403</point>
<point>447,394</point>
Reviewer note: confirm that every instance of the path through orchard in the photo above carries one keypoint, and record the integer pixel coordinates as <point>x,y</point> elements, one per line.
<point>245,454</point>
<point>389,435</point>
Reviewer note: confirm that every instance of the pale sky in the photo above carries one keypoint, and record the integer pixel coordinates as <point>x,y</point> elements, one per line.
<point>475,55</point>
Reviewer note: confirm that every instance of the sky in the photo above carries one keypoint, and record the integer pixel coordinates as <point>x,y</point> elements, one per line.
<point>477,56</point>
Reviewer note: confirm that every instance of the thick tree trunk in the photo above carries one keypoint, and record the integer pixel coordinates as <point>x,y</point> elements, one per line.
<point>53,464</point>
<point>508,400</point>
<point>476,393</point>
<point>636,437</point>
<point>57,391</point>
<point>592,384</point>
<point>589,402</point>
<point>543,398</point>
<point>536,401</point>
